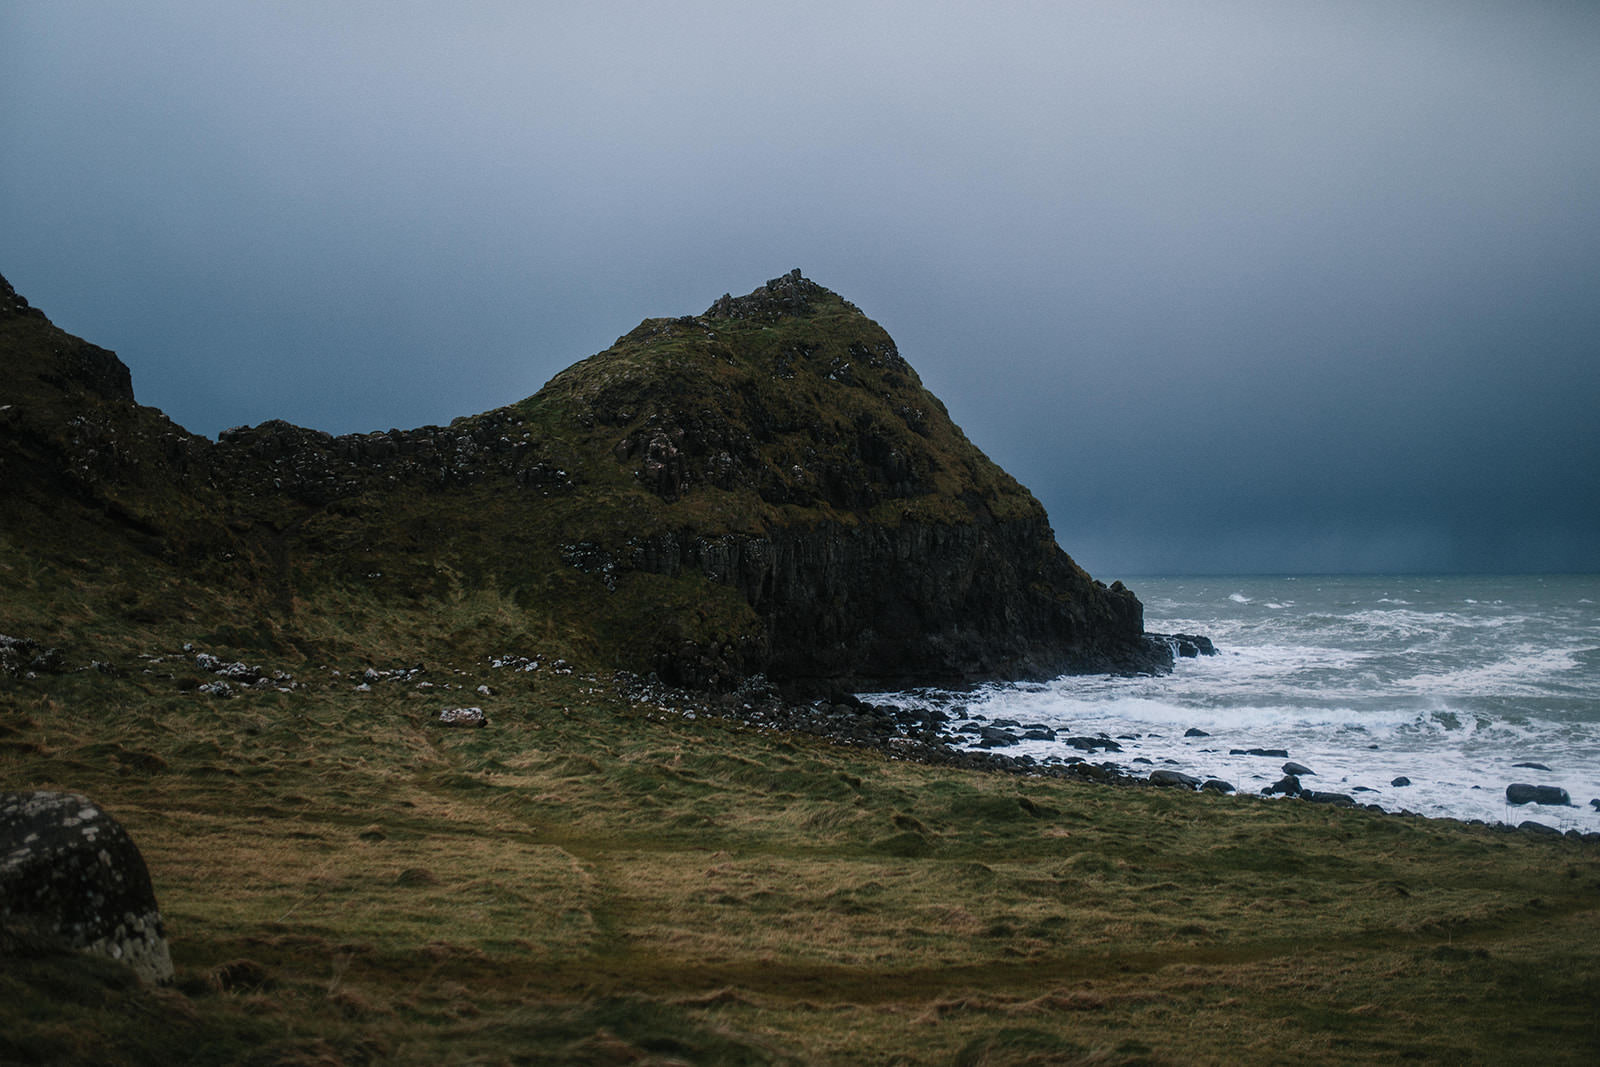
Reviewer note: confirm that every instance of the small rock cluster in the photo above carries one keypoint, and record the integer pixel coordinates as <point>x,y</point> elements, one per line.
<point>23,657</point>
<point>240,674</point>
<point>514,662</point>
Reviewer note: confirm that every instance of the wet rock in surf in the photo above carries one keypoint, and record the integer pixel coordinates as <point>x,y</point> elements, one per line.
<point>1090,744</point>
<point>1523,793</point>
<point>1174,778</point>
<point>1187,646</point>
<point>995,737</point>
<point>1288,785</point>
<point>1297,769</point>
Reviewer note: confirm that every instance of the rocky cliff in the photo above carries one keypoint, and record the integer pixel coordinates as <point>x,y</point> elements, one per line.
<point>763,488</point>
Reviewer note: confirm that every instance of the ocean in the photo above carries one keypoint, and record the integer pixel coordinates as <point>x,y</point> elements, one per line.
<point>1455,683</point>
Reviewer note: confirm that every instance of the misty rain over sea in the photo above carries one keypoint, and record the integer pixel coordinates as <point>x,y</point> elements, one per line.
<point>1455,683</point>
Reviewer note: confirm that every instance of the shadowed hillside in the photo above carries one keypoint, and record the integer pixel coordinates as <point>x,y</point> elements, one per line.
<point>765,488</point>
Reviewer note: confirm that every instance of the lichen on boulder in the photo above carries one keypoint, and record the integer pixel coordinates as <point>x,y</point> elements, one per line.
<point>70,877</point>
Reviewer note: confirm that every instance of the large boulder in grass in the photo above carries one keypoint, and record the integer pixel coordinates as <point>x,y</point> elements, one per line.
<point>71,877</point>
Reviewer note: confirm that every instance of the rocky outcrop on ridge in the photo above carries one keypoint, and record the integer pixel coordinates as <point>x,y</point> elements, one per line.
<point>765,488</point>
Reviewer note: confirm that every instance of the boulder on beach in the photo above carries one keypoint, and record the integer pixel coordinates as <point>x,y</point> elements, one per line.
<point>1523,793</point>
<point>1288,785</point>
<point>1174,778</point>
<point>71,878</point>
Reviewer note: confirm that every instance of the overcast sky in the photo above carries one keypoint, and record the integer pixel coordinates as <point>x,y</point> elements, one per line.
<point>1232,287</point>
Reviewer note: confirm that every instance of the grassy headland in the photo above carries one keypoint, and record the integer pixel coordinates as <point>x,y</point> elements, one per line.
<point>599,878</point>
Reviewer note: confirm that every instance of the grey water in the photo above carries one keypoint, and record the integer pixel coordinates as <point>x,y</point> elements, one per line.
<point>1450,682</point>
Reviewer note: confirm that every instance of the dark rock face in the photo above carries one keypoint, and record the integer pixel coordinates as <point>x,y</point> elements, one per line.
<point>1522,793</point>
<point>71,876</point>
<point>1188,646</point>
<point>868,605</point>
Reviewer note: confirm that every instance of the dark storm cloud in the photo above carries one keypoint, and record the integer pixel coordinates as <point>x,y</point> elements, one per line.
<point>1249,286</point>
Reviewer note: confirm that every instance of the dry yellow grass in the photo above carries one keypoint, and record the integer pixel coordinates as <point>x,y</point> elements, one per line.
<point>582,882</point>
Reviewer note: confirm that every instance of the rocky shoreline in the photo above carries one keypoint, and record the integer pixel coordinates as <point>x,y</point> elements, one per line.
<point>927,735</point>
<point>916,733</point>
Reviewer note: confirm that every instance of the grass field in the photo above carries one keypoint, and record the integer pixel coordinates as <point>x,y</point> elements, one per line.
<point>589,880</point>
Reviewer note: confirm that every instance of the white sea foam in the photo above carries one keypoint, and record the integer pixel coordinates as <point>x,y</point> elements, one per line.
<point>1450,691</point>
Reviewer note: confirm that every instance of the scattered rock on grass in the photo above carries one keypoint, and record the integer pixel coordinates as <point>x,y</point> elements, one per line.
<point>463,717</point>
<point>23,657</point>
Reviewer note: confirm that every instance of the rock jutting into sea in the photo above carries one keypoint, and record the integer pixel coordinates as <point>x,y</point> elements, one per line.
<point>762,489</point>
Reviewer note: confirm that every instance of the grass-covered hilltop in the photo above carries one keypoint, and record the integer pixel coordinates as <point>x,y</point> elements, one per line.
<point>765,488</point>
<point>241,650</point>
